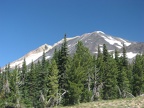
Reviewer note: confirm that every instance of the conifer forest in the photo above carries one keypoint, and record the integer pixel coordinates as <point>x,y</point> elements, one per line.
<point>72,79</point>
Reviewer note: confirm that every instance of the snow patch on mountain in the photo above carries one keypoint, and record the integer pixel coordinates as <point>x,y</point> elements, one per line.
<point>125,42</point>
<point>61,41</point>
<point>48,57</point>
<point>90,40</point>
<point>31,56</point>
<point>29,59</point>
<point>110,50</point>
<point>118,46</point>
<point>100,32</point>
<point>112,41</point>
<point>131,55</point>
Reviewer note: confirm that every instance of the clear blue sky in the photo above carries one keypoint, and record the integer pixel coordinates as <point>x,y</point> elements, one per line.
<point>28,24</point>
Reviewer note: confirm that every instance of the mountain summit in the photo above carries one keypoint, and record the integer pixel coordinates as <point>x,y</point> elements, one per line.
<point>90,40</point>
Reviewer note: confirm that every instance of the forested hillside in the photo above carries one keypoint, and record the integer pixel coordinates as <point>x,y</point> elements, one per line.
<point>71,79</point>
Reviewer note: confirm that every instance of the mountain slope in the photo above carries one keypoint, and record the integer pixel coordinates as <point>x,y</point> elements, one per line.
<point>90,40</point>
<point>31,56</point>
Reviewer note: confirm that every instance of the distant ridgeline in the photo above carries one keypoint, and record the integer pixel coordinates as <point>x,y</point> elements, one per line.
<point>71,79</point>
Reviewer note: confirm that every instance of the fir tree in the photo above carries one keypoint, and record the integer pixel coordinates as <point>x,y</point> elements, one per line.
<point>124,58</point>
<point>138,75</point>
<point>53,84</point>
<point>110,79</point>
<point>23,78</point>
<point>79,74</point>
<point>31,84</point>
<point>17,95</point>
<point>105,53</point>
<point>42,74</point>
<point>63,57</point>
<point>75,82</point>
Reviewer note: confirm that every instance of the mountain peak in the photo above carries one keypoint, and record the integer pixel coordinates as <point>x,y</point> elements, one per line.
<point>100,32</point>
<point>90,40</point>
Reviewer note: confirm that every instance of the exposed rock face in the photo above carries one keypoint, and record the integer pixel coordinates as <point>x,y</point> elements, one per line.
<point>90,40</point>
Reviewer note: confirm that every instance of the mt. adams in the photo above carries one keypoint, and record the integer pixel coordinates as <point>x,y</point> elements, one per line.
<point>90,40</point>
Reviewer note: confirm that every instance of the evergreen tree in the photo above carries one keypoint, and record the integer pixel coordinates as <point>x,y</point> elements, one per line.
<point>42,74</point>
<point>123,83</point>
<point>76,77</point>
<point>124,58</point>
<point>6,92</point>
<point>138,75</point>
<point>109,76</point>
<point>24,85</point>
<point>38,83</point>
<point>53,84</point>
<point>16,83</point>
<point>63,57</point>
<point>96,82</point>
<point>105,53</point>
<point>117,57</point>
<point>79,76</point>
<point>56,55</point>
<point>100,65</point>
<point>23,78</point>
<point>31,84</point>
<point>124,75</point>
<point>110,79</point>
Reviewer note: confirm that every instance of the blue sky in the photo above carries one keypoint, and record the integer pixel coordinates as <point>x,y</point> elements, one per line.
<point>28,24</point>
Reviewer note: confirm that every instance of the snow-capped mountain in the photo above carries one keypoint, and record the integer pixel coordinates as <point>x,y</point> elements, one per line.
<point>31,56</point>
<point>90,40</point>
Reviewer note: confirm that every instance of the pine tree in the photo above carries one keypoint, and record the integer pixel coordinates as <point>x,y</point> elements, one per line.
<point>110,79</point>
<point>124,58</point>
<point>42,74</point>
<point>23,78</point>
<point>38,103</point>
<point>123,83</point>
<point>138,76</point>
<point>117,57</point>
<point>31,84</point>
<point>63,57</point>
<point>100,65</point>
<point>55,55</point>
<point>24,85</point>
<point>6,92</point>
<point>109,76</point>
<point>96,82</point>
<point>53,84</point>
<point>17,94</point>
<point>79,76</point>
<point>124,75</point>
<point>75,82</point>
<point>105,53</point>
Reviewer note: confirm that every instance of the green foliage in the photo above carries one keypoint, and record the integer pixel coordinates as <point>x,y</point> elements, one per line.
<point>67,80</point>
<point>53,83</point>
<point>110,79</point>
<point>62,62</point>
<point>75,85</point>
<point>138,75</point>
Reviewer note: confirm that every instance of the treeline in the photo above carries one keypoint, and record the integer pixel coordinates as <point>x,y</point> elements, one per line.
<point>67,80</point>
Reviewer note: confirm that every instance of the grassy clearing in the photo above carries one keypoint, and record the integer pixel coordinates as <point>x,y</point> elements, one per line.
<point>137,102</point>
